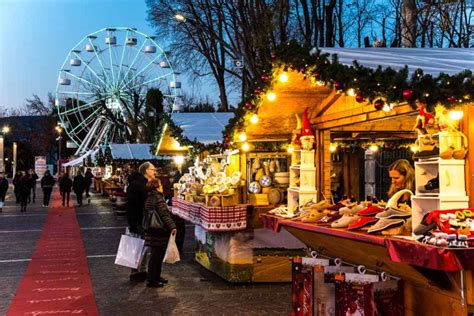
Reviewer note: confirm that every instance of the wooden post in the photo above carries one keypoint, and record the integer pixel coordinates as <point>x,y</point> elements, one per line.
<point>467,127</point>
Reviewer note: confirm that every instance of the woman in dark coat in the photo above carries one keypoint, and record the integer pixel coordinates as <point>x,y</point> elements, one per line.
<point>79,185</point>
<point>65,185</point>
<point>3,189</point>
<point>47,183</point>
<point>16,186</point>
<point>157,239</point>
<point>33,179</point>
<point>88,176</point>
<point>24,188</point>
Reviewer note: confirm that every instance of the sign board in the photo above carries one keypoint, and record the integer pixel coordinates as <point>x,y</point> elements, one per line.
<point>40,166</point>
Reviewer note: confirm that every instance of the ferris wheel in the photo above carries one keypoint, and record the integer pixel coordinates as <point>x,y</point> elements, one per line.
<point>103,83</point>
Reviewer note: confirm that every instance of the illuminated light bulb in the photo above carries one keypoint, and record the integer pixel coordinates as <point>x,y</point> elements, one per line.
<point>332,148</point>
<point>242,137</point>
<point>414,148</point>
<point>179,160</point>
<point>254,119</point>
<point>351,92</point>
<point>456,115</point>
<point>373,148</point>
<point>271,96</point>
<point>320,83</point>
<point>283,77</point>
<point>245,146</point>
<point>386,108</point>
<point>290,149</point>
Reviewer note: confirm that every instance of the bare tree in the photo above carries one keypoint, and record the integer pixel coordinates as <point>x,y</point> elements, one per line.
<point>409,23</point>
<point>37,107</point>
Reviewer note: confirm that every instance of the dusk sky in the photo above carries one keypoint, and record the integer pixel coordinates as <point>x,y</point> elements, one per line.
<point>36,36</point>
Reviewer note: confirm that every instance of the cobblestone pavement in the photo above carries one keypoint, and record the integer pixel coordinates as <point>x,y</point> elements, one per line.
<point>192,290</point>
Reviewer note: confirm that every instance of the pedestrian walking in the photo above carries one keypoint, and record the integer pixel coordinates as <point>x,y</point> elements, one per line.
<point>65,185</point>
<point>3,189</point>
<point>88,177</point>
<point>16,186</point>
<point>24,188</point>
<point>79,186</point>
<point>136,196</point>
<point>33,179</point>
<point>157,238</point>
<point>47,183</point>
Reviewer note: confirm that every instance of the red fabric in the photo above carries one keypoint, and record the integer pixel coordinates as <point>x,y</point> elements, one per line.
<point>227,218</point>
<point>57,279</point>
<point>428,256</point>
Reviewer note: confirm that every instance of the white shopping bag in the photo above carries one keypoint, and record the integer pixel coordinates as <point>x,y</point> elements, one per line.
<point>1,205</point>
<point>130,251</point>
<point>172,253</point>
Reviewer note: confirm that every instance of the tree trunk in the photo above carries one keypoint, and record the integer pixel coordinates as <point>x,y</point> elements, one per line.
<point>409,23</point>
<point>328,15</point>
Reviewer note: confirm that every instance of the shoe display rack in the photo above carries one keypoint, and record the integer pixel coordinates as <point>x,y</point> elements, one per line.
<point>439,185</point>
<point>302,179</point>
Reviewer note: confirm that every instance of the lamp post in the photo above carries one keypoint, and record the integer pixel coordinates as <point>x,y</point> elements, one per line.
<point>5,130</point>
<point>59,130</point>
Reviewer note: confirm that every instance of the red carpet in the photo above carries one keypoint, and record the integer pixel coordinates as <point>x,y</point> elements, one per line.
<point>57,280</point>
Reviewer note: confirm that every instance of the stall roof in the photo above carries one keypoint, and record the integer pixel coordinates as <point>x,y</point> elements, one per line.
<point>132,151</point>
<point>204,127</point>
<point>432,60</point>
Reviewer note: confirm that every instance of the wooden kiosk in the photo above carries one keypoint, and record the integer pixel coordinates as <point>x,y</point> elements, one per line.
<point>430,289</point>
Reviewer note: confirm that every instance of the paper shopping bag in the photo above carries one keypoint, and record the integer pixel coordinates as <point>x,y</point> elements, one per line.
<point>130,251</point>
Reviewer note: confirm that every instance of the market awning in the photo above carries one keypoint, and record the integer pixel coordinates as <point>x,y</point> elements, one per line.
<point>204,127</point>
<point>433,61</point>
<point>132,152</point>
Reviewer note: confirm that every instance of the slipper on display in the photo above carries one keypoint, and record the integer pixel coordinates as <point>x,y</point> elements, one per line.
<point>344,221</point>
<point>370,210</point>
<point>362,222</point>
<point>393,213</point>
<point>385,223</point>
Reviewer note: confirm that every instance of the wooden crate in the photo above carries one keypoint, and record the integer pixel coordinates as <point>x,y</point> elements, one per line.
<point>258,199</point>
<point>225,199</point>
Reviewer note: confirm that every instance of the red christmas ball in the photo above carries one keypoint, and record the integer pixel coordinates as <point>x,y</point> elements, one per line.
<point>316,75</point>
<point>248,105</point>
<point>338,85</point>
<point>264,77</point>
<point>408,94</point>
<point>359,98</point>
<point>451,99</point>
<point>378,104</point>
<point>273,56</point>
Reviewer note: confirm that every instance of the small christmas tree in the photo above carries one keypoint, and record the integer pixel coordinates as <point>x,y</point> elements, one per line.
<point>99,159</point>
<point>89,161</point>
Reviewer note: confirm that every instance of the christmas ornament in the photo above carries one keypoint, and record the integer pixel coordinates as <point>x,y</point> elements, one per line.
<point>273,56</point>
<point>451,99</point>
<point>307,136</point>
<point>316,75</point>
<point>359,98</point>
<point>264,77</point>
<point>338,85</point>
<point>408,94</point>
<point>248,105</point>
<point>378,104</point>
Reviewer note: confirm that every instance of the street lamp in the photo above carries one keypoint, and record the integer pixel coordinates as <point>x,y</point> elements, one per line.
<point>59,130</point>
<point>5,130</point>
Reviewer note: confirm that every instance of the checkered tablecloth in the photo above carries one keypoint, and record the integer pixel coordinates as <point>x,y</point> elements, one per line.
<point>228,218</point>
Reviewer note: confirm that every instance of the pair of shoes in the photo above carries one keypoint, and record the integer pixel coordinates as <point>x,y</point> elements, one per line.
<point>138,276</point>
<point>163,280</point>
<point>152,284</point>
<point>432,186</point>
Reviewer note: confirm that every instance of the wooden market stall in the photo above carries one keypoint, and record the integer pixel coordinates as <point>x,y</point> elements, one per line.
<point>438,280</point>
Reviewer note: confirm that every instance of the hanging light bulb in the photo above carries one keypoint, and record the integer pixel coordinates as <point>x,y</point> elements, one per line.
<point>242,137</point>
<point>414,148</point>
<point>290,149</point>
<point>351,92</point>
<point>373,148</point>
<point>283,77</point>
<point>456,115</point>
<point>254,119</point>
<point>332,148</point>
<point>386,108</point>
<point>271,96</point>
<point>245,146</point>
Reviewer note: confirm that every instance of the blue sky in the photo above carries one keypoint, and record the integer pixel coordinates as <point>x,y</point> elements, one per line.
<point>36,35</point>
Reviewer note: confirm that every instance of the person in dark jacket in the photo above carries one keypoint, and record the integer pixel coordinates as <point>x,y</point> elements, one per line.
<point>33,179</point>
<point>24,188</point>
<point>3,189</point>
<point>47,183</point>
<point>88,177</point>
<point>157,239</point>
<point>136,196</point>
<point>65,185</point>
<point>16,186</point>
<point>79,185</point>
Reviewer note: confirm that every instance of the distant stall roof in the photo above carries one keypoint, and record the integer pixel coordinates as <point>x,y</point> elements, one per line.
<point>132,152</point>
<point>432,60</point>
<point>204,127</point>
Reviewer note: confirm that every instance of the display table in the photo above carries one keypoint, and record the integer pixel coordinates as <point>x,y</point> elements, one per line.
<point>438,281</point>
<point>239,253</point>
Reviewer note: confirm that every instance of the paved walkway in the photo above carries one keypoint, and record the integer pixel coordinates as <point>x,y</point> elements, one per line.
<point>192,290</point>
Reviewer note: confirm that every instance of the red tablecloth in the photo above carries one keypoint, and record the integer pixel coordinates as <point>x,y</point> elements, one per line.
<point>399,250</point>
<point>227,218</point>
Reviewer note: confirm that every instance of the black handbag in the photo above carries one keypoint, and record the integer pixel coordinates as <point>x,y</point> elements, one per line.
<point>152,220</point>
